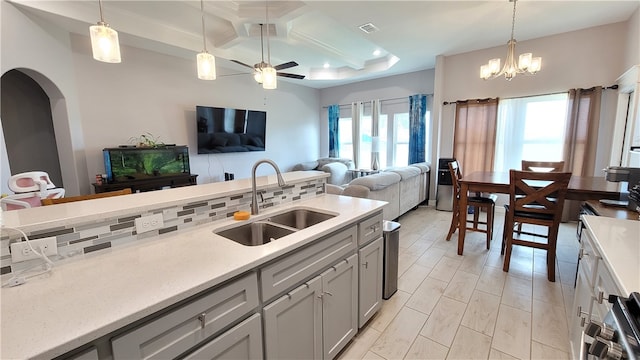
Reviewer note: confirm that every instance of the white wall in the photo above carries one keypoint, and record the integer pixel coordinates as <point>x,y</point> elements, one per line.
<point>584,58</point>
<point>155,93</point>
<point>103,105</point>
<point>632,56</point>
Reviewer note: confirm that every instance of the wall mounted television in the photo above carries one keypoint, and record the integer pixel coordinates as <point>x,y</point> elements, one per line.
<point>128,163</point>
<point>228,130</point>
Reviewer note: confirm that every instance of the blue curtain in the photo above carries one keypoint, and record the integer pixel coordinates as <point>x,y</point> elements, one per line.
<point>417,127</point>
<point>334,139</point>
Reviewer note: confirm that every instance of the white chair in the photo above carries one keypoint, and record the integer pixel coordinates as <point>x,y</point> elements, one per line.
<point>30,188</point>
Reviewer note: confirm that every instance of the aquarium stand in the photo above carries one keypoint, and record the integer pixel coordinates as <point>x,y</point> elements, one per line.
<point>149,184</point>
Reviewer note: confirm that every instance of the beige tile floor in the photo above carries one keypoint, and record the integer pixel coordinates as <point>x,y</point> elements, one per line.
<point>465,307</point>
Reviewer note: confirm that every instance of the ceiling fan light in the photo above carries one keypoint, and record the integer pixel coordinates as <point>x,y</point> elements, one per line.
<point>257,76</point>
<point>206,66</point>
<point>269,78</point>
<point>104,43</point>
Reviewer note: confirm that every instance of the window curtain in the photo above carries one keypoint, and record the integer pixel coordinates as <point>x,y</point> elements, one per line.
<point>334,138</point>
<point>475,134</point>
<point>375,138</point>
<point>417,127</point>
<point>581,135</point>
<point>356,115</point>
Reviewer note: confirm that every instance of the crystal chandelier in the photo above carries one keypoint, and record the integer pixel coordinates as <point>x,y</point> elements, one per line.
<point>526,62</point>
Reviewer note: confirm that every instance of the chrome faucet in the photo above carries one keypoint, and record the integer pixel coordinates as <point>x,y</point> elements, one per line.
<point>254,195</point>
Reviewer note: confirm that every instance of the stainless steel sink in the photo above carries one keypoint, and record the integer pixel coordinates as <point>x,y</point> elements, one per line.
<point>255,233</point>
<point>300,218</point>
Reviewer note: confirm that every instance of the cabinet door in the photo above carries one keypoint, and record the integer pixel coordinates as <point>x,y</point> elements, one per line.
<point>293,323</point>
<point>370,286</point>
<point>242,342</point>
<point>339,305</point>
<point>580,311</point>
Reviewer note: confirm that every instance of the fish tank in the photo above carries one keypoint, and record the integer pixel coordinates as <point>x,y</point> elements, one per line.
<point>129,163</point>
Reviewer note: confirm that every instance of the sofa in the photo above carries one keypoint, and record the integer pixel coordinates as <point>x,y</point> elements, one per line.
<point>337,167</point>
<point>403,188</point>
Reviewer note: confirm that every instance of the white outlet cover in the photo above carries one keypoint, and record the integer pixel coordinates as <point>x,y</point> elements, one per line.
<point>20,251</point>
<point>149,223</point>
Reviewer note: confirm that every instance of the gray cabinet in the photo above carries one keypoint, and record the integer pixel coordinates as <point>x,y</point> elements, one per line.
<point>185,327</point>
<point>370,284</point>
<point>293,323</point>
<point>339,306</point>
<point>243,341</point>
<point>318,318</point>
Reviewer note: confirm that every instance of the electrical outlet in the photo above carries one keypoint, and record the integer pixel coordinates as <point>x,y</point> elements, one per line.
<point>20,251</point>
<point>149,223</point>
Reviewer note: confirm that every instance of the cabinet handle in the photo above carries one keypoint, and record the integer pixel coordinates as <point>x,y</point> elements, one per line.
<point>328,293</point>
<point>366,265</point>
<point>600,298</point>
<point>202,317</point>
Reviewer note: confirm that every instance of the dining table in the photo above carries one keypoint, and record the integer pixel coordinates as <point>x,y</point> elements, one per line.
<point>580,188</point>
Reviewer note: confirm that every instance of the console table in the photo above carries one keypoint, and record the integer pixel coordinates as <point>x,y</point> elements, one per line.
<point>154,183</point>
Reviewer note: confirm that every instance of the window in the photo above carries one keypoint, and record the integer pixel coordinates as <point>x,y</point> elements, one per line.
<point>531,128</point>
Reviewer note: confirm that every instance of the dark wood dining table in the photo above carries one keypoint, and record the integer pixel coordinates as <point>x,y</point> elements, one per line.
<point>580,188</point>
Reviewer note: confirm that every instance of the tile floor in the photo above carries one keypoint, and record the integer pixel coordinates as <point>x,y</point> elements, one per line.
<point>465,307</point>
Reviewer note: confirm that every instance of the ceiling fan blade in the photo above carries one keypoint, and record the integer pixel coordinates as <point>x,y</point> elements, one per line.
<point>243,64</point>
<point>286,65</point>
<point>293,76</point>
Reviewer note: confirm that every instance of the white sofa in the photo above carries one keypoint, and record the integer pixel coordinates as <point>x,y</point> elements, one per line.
<point>337,167</point>
<point>403,188</point>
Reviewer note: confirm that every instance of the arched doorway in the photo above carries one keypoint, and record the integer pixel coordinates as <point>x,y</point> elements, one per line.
<point>28,126</point>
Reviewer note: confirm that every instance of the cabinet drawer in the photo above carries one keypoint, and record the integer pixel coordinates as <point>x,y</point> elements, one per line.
<point>369,229</point>
<point>295,268</point>
<point>243,341</point>
<point>179,330</point>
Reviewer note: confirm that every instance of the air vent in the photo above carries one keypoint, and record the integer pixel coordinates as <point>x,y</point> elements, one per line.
<point>369,28</point>
<point>254,30</point>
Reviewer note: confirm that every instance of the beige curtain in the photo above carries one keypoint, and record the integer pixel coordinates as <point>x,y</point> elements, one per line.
<point>581,135</point>
<point>474,139</point>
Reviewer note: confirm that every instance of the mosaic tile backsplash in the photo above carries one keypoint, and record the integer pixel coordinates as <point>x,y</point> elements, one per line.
<point>79,240</point>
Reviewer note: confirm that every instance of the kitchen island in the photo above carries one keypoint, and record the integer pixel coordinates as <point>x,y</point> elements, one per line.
<point>84,300</point>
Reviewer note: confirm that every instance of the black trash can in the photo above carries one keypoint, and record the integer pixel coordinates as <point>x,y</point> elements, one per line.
<point>391,238</point>
<point>444,193</point>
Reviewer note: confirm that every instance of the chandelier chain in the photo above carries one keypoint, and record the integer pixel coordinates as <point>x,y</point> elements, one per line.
<point>513,19</point>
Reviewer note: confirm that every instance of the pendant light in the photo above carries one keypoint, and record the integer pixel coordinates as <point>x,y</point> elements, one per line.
<point>104,41</point>
<point>269,77</point>
<point>206,61</point>
<point>526,62</point>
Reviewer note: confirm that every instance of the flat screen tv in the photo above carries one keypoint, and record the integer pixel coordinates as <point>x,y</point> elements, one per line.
<point>228,130</point>
<point>136,163</point>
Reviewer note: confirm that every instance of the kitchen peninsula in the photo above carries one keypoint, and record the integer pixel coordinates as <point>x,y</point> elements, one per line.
<point>94,302</point>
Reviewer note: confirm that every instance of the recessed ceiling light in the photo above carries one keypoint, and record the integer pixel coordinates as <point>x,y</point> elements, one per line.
<point>326,65</point>
<point>376,52</point>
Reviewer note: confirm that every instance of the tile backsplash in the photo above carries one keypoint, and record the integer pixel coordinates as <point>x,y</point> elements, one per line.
<point>79,239</point>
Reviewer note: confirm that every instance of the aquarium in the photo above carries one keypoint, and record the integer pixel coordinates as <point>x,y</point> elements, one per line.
<point>138,163</point>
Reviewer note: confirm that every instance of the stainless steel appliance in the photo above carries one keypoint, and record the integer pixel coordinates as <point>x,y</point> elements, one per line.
<point>444,194</point>
<point>631,176</point>
<point>391,238</point>
<point>618,336</point>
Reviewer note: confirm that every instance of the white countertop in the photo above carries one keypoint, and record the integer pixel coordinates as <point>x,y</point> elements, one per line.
<point>85,299</point>
<point>618,241</point>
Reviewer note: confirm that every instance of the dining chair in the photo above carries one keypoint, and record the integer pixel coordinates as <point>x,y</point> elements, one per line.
<point>543,166</point>
<point>535,198</point>
<point>476,202</point>
<point>86,197</point>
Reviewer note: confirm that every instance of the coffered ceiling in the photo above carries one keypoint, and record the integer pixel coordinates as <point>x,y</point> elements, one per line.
<point>407,35</point>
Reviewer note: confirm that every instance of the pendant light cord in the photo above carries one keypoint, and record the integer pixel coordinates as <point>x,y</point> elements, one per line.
<point>204,39</point>
<point>513,19</point>
<point>100,6</point>
<point>268,43</point>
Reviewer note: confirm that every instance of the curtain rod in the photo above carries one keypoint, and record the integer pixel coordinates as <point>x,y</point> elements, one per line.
<point>381,100</point>
<point>612,87</point>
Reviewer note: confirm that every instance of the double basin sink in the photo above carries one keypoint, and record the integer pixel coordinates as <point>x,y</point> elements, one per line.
<point>265,230</point>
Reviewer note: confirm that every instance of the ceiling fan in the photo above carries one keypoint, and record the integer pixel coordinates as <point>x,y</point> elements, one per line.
<point>258,68</point>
